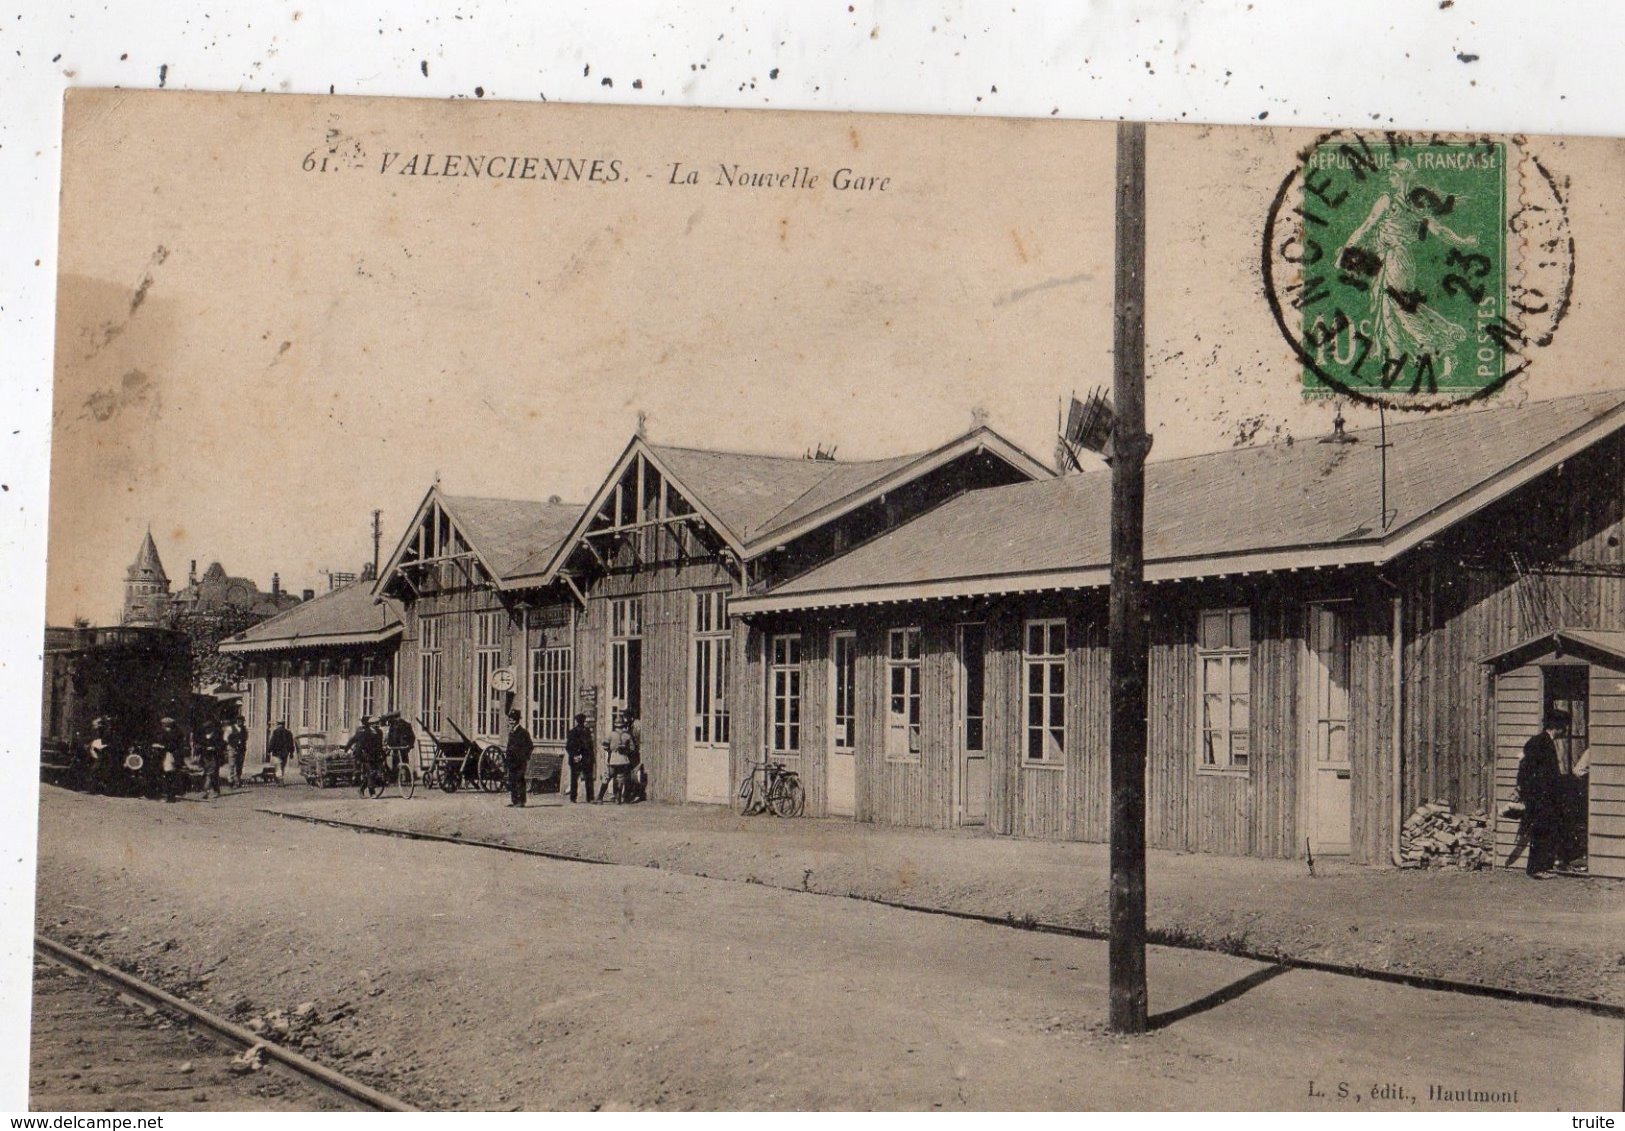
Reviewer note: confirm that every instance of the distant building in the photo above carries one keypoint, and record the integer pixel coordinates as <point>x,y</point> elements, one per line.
<point>148,601</point>
<point>146,587</point>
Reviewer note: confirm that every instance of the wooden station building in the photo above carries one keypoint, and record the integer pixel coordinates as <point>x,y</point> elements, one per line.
<point>617,606</point>
<point>649,568</point>
<point>319,666</point>
<point>1319,616</point>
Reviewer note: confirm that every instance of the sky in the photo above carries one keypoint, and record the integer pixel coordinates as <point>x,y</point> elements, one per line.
<point>276,315</point>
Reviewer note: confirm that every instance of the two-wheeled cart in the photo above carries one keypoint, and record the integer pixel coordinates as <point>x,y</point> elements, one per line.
<point>450,764</point>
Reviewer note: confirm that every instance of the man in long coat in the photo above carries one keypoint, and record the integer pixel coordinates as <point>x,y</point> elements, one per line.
<point>281,747</point>
<point>1540,786</point>
<point>519,749</point>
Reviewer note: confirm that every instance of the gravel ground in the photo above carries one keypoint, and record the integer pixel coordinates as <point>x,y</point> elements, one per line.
<point>464,978</point>
<point>93,1049</point>
<point>1494,927</point>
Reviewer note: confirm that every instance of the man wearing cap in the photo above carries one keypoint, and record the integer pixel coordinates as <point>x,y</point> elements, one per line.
<point>519,749</point>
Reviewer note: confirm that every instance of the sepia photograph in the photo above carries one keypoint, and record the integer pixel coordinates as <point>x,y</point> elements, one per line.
<point>570,607</point>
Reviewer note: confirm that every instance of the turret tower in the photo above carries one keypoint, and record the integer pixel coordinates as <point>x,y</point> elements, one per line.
<point>146,586</point>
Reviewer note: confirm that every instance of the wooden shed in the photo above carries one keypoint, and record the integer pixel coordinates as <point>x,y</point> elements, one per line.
<point>1581,671</point>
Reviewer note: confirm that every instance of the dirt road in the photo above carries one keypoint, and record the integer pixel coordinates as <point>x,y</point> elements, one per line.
<point>457,977</point>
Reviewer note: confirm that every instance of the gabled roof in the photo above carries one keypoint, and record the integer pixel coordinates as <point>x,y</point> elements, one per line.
<point>1607,644</point>
<point>503,534</point>
<point>348,615</point>
<point>758,501</point>
<point>1237,511</point>
<point>508,532</point>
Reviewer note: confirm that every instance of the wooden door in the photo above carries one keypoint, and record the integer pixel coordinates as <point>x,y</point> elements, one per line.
<point>1327,768</point>
<point>841,787</point>
<point>973,776</point>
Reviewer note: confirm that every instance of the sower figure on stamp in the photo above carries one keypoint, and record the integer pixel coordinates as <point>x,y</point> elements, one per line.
<point>281,747</point>
<point>519,750</point>
<point>1540,787</point>
<point>578,752</point>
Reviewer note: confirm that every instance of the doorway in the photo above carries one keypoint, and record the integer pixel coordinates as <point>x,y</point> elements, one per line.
<point>841,788</point>
<point>973,774</point>
<point>1328,770</point>
<point>1566,687</point>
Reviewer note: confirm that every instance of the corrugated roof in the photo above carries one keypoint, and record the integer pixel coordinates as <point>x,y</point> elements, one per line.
<point>348,614</point>
<point>1283,496</point>
<point>509,533</point>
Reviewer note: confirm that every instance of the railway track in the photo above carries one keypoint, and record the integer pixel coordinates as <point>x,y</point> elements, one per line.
<point>105,1038</point>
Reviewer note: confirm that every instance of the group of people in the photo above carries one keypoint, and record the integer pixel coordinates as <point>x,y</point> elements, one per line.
<point>625,777</point>
<point>379,744</point>
<point>163,765</point>
<point>1553,795</point>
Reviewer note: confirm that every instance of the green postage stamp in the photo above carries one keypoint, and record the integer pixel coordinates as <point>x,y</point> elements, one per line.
<point>1405,290</point>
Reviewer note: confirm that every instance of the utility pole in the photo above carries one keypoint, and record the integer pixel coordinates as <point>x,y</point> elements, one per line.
<point>377,537</point>
<point>1127,632</point>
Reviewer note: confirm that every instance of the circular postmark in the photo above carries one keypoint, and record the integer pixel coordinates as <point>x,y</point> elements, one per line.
<point>1417,271</point>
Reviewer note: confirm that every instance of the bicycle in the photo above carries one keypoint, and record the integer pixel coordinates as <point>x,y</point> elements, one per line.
<point>406,781</point>
<point>769,787</point>
<point>372,780</point>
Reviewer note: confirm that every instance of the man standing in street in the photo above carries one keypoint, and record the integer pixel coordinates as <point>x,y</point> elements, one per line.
<point>168,761</point>
<point>211,754</point>
<point>519,748</point>
<point>579,753</point>
<point>1540,788</point>
<point>236,736</point>
<point>366,746</point>
<point>281,747</point>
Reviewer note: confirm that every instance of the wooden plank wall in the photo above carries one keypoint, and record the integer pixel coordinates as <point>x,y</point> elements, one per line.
<point>745,702</point>
<point>1004,719</point>
<point>1606,841</point>
<point>1467,601</point>
<point>456,609</point>
<point>812,763</point>
<point>1255,812</point>
<point>1517,718</point>
<point>1371,729</point>
<point>668,609</point>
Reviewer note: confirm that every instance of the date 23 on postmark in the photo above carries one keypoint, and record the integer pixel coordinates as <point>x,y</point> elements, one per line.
<point>1417,272</point>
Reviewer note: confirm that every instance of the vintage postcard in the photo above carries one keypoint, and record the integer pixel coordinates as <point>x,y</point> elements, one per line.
<point>687,535</point>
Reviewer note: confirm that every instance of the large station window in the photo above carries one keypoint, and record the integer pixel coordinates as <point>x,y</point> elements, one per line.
<point>784,694</point>
<point>1043,659</point>
<point>903,693</point>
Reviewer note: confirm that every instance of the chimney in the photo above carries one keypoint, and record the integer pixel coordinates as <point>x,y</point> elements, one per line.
<point>308,595</point>
<point>276,585</point>
<point>191,574</point>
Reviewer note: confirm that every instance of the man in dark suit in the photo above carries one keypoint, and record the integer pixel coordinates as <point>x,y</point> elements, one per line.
<point>1540,787</point>
<point>579,753</point>
<point>281,747</point>
<point>519,750</point>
